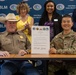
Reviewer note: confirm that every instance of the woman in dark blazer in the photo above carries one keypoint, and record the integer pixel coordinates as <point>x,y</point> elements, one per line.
<point>50,16</point>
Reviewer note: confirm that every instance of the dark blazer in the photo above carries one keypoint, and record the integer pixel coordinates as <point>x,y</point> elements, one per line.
<point>56,19</point>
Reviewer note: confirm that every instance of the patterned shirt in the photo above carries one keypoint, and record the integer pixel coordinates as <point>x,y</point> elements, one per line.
<point>65,44</point>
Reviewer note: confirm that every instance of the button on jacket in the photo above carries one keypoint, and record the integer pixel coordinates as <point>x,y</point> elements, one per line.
<point>14,42</point>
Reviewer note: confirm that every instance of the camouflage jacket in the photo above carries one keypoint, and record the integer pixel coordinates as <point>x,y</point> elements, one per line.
<point>64,44</point>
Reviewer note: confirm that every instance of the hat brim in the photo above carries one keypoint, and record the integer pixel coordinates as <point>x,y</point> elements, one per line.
<point>13,20</point>
<point>2,19</point>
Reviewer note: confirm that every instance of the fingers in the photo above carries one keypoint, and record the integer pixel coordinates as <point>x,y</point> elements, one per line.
<point>22,52</point>
<point>52,51</point>
<point>5,53</point>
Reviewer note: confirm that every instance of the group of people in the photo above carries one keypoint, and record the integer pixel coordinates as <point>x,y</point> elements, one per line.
<point>17,39</point>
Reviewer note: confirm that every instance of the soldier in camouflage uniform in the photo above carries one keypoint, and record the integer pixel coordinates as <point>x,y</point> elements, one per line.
<point>64,43</point>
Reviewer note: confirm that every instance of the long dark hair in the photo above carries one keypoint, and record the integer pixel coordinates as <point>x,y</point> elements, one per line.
<point>46,4</point>
<point>44,16</point>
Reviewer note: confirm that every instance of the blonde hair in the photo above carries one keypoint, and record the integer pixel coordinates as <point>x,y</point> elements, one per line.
<point>22,5</point>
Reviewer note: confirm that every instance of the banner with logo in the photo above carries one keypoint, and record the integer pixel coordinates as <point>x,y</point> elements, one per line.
<point>65,6</point>
<point>36,8</point>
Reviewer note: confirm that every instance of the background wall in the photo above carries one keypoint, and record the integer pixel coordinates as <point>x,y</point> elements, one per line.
<point>36,8</point>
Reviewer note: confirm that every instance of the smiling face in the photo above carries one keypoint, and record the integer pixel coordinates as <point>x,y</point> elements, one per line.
<point>11,26</point>
<point>23,12</point>
<point>23,9</point>
<point>67,23</point>
<point>50,7</point>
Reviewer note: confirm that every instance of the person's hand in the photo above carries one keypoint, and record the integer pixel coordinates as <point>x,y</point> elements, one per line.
<point>29,29</point>
<point>52,51</point>
<point>27,26</point>
<point>22,52</point>
<point>4,53</point>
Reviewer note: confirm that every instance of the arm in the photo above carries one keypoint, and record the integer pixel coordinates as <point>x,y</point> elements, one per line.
<point>28,26</point>
<point>52,48</point>
<point>29,23</point>
<point>70,47</point>
<point>27,48</point>
<point>3,53</point>
<point>70,50</point>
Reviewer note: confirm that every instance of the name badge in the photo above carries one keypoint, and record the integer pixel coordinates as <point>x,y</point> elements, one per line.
<point>21,37</point>
<point>56,20</point>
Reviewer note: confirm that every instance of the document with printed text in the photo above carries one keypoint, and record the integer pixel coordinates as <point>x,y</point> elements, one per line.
<point>40,40</point>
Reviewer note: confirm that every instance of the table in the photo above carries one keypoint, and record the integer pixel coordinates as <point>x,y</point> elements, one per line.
<point>46,56</point>
<point>41,57</point>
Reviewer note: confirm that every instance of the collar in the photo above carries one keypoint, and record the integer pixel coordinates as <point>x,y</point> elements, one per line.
<point>67,35</point>
<point>8,33</point>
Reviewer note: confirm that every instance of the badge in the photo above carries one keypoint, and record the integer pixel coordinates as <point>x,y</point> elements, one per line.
<point>21,37</point>
<point>56,20</point>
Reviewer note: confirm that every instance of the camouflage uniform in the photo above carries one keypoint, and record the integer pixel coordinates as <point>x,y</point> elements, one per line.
<point>64,44</point>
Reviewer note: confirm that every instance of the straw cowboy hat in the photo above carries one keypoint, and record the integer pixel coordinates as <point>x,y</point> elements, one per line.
<point>9,17</point>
